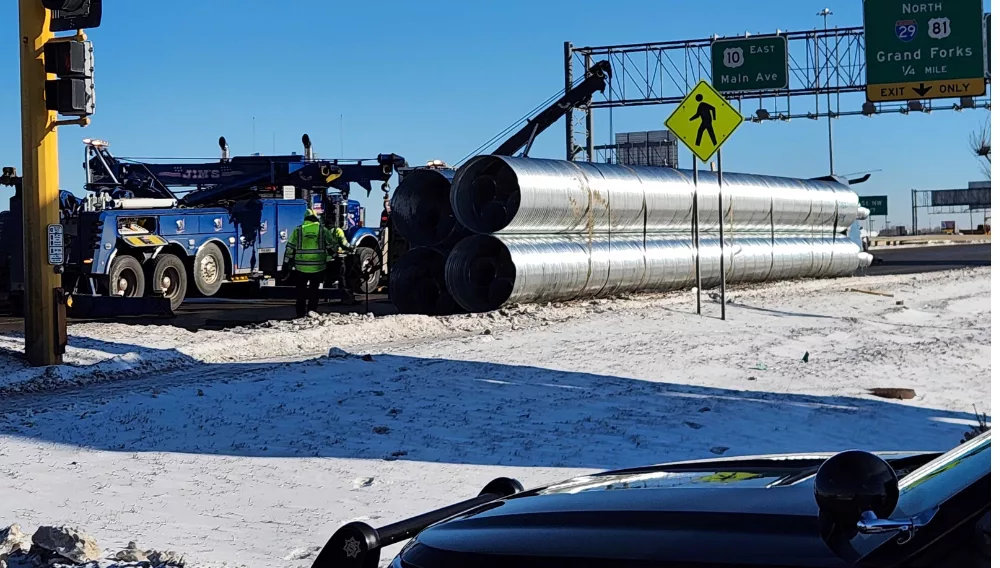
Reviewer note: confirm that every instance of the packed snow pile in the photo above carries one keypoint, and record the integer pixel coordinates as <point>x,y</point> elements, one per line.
<point>101,352</point>
<point>70,547</point>
<point>259,462</point>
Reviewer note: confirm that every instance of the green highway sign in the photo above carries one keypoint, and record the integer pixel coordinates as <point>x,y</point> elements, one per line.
<point>924,50</point>
<point>876,204</point>
<point>750,64</point>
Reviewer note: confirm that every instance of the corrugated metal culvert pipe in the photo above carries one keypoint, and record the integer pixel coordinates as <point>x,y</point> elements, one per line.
<point>421,209</point>
<point>504,195</point>
<point>421,213</point>
<point>417,283</point>
<point>555,230</point>
<point>486,272</point>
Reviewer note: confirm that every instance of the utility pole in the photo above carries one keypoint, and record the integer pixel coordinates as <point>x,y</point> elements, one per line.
<point>40,166</point>
<point>43,99</point>
<point>568,62</point>
<point>826,12</point>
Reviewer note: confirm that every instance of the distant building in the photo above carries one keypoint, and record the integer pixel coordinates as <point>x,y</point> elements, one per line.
<point>651,148</point>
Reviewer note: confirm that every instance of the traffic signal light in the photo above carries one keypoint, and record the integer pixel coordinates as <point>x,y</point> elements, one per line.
<point>72,93</point>
<point>68,5</point>
<point>69,15</point>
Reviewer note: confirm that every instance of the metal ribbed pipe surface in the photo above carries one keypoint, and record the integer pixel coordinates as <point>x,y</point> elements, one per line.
<point>505,195</point>
<point>486,272</point>
<point>421,209</point>
<point>417,283</point>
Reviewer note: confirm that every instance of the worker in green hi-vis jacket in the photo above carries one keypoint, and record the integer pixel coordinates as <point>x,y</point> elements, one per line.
<point>307,252</point>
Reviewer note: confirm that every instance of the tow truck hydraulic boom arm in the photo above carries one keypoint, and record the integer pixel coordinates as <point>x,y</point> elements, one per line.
<point>596,80</point>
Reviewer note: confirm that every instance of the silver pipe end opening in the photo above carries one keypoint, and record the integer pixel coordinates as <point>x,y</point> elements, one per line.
<point>417,283</point>
<point>421,209</point>
<point>480,273</point>
<point>865,259</point>
<point>863,213</point>
<point>485,194</point>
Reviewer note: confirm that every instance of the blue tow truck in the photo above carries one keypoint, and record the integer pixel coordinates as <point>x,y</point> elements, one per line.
<point>137,237</point>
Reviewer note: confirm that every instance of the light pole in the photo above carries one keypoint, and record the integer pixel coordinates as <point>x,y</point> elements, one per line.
<point>829,111</point>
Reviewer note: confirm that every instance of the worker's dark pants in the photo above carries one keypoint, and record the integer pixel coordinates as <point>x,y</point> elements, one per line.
<point>340,271</point>
<point>307,291</point>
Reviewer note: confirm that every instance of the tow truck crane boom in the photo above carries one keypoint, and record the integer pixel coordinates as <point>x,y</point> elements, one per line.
<point>231,178</point>
<point>596,80</point>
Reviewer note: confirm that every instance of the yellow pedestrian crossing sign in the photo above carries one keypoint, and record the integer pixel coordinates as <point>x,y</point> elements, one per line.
<point>704,120</point>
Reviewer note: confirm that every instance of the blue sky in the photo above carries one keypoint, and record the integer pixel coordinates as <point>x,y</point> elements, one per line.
<point>435,79</point>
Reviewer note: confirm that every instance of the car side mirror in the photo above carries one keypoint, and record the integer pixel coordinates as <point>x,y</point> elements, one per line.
<point>856,493</point>
<point>852,484</point>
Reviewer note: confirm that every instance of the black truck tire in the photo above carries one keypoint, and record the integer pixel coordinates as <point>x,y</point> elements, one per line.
<point>168,276</point>
<point>208,271</point>
<point>365,258</point>
<point>126,278</point>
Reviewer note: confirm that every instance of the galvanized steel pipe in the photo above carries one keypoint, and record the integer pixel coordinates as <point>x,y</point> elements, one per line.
<point>505,195</point>
<point>486,272</point>
<point>417,283</point>
<point>421,209</point>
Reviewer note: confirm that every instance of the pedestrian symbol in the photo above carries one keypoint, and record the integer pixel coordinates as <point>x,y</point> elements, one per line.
<point>704,120</point>
<point>706,114</point>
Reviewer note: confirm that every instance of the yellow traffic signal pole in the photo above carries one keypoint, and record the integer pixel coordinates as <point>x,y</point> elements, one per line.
<point>40,166</point>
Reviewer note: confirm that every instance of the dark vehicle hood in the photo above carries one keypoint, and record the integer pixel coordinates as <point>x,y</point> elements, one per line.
<point>746,511</point>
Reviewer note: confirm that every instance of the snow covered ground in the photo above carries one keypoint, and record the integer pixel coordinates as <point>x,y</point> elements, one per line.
<point>252,447</point>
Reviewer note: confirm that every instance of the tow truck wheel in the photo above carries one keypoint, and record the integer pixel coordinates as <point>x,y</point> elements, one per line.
<point>208,270</point>
<point>169,277</point>
<point>125,278</point>
<point>367,276</point>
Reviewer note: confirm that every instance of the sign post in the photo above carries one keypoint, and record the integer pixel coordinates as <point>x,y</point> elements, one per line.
<point>750,64</point>
<point>695,215</point>
<point>703,122</point>
<point>722,236</point>
<point>988,42</point>
<point>926,50</point>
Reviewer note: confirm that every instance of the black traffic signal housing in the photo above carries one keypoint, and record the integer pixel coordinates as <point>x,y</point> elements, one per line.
<point>67,5</point>
<point>69,15</point>
<point>72,92</point>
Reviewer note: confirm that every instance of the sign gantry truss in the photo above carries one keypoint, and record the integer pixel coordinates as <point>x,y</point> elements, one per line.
<point>822,64</point>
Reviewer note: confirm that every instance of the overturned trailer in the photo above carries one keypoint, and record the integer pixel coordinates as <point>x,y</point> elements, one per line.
<point>550,230</point>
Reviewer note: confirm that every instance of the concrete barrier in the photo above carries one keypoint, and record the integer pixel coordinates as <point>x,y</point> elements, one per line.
<point>928,240</point>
